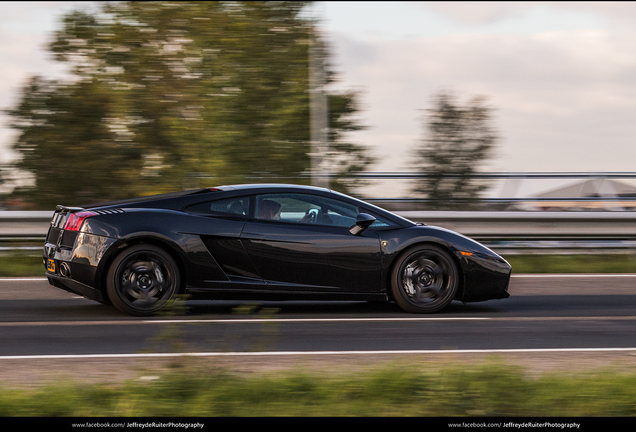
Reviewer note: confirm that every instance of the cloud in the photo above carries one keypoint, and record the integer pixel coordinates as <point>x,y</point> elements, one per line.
<point>480,13</point>
<point>24,33</point>
<point>560,75</point>
<point>564,101</point>
<point>471,13</point>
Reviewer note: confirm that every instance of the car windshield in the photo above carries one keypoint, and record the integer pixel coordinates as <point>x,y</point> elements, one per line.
<point>377,209</point>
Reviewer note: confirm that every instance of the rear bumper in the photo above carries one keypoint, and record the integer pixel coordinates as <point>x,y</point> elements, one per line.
<point>75,287</point>
<point>75,268</point>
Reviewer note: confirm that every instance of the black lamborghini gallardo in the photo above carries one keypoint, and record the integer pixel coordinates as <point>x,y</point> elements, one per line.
<point>263,242</point>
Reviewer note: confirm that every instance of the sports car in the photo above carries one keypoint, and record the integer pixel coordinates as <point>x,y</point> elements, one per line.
<point>263,242</point>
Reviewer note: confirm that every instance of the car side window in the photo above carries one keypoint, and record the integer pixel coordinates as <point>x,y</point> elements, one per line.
<point>381,222</point>
<point>305,209</point>
<point>237,206</point>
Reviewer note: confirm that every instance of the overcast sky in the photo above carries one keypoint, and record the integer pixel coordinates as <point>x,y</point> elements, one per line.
<point>561,77</point>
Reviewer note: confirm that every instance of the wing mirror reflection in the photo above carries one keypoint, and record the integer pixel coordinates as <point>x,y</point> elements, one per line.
<point>363,221</point>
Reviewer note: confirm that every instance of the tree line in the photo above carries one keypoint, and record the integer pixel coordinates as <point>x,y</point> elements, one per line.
<point>168,96</point>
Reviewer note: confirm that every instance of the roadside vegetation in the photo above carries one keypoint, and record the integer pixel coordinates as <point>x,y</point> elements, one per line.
<point>603,263</point>
<point>21,264</point>
<point>24,264</point>
<point>486,390</point>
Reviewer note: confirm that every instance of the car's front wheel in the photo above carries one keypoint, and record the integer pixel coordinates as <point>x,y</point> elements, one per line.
<point>424,280</point>
<point>142,279</point>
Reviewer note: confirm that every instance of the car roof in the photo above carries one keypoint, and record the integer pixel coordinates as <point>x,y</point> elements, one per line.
<point>169,197</point>
<point>259,186</point>
<point>177,200</point>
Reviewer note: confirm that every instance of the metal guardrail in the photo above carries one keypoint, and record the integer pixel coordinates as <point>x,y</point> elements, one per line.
<point>603,202</point>
<point>23,230</point>
<point>24,225</point>
<point>517,225</point>
<point>501,229</point>
<point>476,175</point>
<point>540,232</point>
<point>509,231</point>
<point>497,175</point>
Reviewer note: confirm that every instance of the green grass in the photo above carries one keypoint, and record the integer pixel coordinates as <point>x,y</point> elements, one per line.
<point>493,389</point>
<point>21,264</point>
<point>608,263</point>
<point>486,390</point>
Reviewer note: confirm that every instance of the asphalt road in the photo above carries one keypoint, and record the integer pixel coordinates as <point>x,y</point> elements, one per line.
<point>544,313</point>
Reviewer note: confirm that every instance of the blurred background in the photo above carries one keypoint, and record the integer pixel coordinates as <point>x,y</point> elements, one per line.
<point>412,105</point>
<point>509,122</point>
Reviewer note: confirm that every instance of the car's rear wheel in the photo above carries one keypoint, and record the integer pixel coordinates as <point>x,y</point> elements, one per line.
<point>424,280</point>
<point>142,279</point>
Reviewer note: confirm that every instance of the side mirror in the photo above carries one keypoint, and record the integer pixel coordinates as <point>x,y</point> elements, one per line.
<point>363,221</point>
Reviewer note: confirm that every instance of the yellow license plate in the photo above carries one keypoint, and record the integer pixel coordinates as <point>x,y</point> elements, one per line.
<point>50,265</point>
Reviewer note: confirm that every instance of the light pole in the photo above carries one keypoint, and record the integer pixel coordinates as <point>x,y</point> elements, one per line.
<point>318,122</point>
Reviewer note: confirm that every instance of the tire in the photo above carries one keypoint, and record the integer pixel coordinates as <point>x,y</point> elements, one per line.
<point>424,280</point>
<point>142,279</point>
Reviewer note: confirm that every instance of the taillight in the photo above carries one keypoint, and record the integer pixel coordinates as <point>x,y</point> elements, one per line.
<point>75,220</point>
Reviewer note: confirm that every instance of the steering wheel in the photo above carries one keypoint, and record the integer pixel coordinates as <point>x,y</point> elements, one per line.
<point>311,216</point>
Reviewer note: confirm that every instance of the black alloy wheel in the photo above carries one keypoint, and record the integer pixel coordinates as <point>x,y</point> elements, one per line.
<point>424,280</point>
<point>142,279</point>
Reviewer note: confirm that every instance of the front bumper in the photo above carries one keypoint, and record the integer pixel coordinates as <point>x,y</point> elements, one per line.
<point>486,278</point>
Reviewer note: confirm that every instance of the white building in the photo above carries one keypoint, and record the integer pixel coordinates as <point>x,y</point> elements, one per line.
<point>612,195</point>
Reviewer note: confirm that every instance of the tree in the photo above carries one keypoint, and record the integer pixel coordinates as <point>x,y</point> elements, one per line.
<point>174,95</point>
<point>458,140</point>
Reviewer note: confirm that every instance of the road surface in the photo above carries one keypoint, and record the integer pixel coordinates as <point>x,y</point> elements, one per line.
<point>547,316</point>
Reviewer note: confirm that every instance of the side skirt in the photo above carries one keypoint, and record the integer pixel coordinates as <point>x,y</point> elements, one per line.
<point>76,288</point>
<point>220,294</point>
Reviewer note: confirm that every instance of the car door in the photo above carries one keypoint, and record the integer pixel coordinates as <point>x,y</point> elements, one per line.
<point>219,226</point>
<point>302,242</point>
